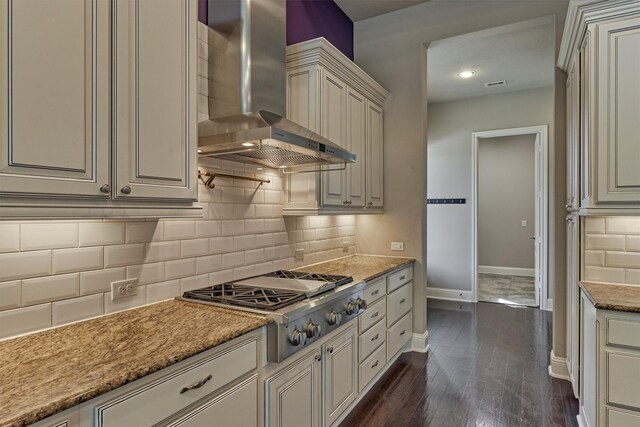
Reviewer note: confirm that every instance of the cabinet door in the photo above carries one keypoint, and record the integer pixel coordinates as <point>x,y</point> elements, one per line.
<point>293,395</point>
<point>618,109</point>
<point>340,374</point>
<point>356,138</point>
<point>573,301</point>
<point>573,136</point>
<point>54,101</point>
<point>333,127</point>
<point>155,116</point>
<point>237,407</point>
<point>375,153</point>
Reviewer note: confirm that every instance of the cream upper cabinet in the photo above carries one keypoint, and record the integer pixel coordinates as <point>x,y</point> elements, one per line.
<point>604,43</point>
<point>99,118</point>
<point>54,102</point>
<point>155,129</point>
<point>330,95</point>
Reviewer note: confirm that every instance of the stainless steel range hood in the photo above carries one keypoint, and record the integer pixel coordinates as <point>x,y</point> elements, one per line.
<point>247,90</point>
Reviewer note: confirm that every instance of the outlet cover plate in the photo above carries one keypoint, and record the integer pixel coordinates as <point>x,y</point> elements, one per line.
<point>397,246</point>
<point>299,254</point>
<point>124,289</point>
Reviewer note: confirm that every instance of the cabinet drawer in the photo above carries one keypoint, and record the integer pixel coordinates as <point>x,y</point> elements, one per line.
<point>166,396</point>
<point>619,418</point>
<point>375,291</point>
<point>372,314</point>
<point>398,303</point>
<point>399,278</point>
<point>623,379</point>
<point>621,332</point>
<point>371,366</point>
<point>399,334</point>
<point>236,407</point>
<point>372,339</point>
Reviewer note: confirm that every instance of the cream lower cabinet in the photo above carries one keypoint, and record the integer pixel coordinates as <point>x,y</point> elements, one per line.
<point>316,389</point>
<point>604,44</point>
<point>100,108</point>
<point>609,367</point>
<point>330,95</point>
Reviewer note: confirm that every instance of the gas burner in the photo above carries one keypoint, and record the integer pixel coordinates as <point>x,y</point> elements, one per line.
<point>246,296</point>
<point>330,278</point>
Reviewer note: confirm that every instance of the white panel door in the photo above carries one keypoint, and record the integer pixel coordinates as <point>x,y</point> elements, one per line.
<point>375,156</point>
<point>155,120</point>
<point>618,111</point>
<point>356,139</point>
<point>293,395</point>
<point>334,128</point>
<point>340,374</point>
<point>54,101</point>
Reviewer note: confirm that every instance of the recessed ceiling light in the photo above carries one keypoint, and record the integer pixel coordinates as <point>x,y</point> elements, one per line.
<point>283,167</point>
<point>259,169</point>
<point>465,74</point>
<point>248,144</point>
<point>200,151</point>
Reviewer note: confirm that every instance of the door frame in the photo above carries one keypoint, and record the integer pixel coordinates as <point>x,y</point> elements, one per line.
<point>541,171</point>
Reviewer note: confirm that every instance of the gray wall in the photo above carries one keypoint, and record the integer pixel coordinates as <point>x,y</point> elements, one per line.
<point>449,164</point>
<point>506,197</point>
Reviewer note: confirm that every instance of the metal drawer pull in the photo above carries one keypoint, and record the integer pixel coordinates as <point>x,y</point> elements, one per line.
<point>375,364</point>
<point>402,277</point>
<point>376,292</point>
<point>196,385</point>
<point>330,349</point>
<point>402,300</point>
<point>376,336</point>
<point>374,315</point>
<point>402,333</point>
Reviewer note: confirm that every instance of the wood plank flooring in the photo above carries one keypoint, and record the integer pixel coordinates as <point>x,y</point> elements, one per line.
<point>487,366</point>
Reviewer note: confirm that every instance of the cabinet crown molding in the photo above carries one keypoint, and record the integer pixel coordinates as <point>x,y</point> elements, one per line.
<point>580,14</point>
<point>319,51</point>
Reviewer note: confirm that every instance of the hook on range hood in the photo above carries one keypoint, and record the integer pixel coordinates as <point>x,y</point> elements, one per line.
<point>247,90</point>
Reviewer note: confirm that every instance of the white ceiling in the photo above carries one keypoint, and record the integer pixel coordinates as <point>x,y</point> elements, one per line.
<point>521,53</point>
<point>357,10</point>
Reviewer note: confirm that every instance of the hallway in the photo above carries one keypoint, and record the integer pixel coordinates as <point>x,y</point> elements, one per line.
<point>487,366</point>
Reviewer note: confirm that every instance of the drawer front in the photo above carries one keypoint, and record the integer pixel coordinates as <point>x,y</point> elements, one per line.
<point>163,398</point>
<point>398,303</point>
<point>399,278</point>
<point>371,366</point>
<point>375,291</point>
<point>372,314</point>
<point>619,418</point>
<point>372,339</point>
<point>621,332</point>
<point>623,379</point>
<point>398,335</point>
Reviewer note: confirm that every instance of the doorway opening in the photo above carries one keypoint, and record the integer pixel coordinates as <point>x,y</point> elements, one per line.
<point>510,216</point>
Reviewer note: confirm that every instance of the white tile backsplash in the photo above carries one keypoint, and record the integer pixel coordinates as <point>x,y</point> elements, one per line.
<point>612,249</point>
<point>242,232</point>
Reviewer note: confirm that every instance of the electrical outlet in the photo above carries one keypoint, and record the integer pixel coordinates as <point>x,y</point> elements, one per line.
<point>124,289</point>
<point>299,254</point>
<point>345,247</point>
<point>397,246</point>
<point>524,222</point>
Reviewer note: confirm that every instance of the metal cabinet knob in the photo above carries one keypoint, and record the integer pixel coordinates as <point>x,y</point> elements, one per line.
<point>106,189</point>
<point>125,190</point>
<point>330,349</point>
<point>370,203</point>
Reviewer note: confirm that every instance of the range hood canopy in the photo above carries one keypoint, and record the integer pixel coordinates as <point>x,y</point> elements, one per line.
<point>247,90</point>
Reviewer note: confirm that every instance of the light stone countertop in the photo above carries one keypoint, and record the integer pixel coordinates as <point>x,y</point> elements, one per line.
<point>48,372</point>
<point>609,296</point>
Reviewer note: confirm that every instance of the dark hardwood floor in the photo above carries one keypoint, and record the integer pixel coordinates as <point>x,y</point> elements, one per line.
<point>487,366</point>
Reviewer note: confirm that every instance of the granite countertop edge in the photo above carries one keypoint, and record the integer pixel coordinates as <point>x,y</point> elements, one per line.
<point>612,305</point>
<point>398,267</point>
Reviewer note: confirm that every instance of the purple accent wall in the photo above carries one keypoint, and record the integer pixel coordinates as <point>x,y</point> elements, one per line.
<point>203,11</point>
<point>310,19</point>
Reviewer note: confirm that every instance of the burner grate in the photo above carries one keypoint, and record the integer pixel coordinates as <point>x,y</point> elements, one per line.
<point>246,296</point>
<point>330,278</point>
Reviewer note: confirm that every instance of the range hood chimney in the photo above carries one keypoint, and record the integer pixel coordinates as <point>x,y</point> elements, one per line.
<point>247,91</point>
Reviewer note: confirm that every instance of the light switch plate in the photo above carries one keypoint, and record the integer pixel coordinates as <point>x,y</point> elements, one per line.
<point>397,246</point>
<point>345,247</point>
<point>124,289</point>
<point>524,222</point>
<point>299,254</point>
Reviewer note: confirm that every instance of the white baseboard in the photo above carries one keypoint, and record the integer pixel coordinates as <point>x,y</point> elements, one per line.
<point>506,271</point>
<point>581,421</point>
<point>420,342</point>
<point>449,294</point>
<point>558,367</point>
<point>549,306</point>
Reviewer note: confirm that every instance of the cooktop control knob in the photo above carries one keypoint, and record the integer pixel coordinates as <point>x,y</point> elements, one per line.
<point>362,304</point>
<point>312,330</point>
<point>352,308</point>
<point>297,338</point>
<point>335,318</point>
